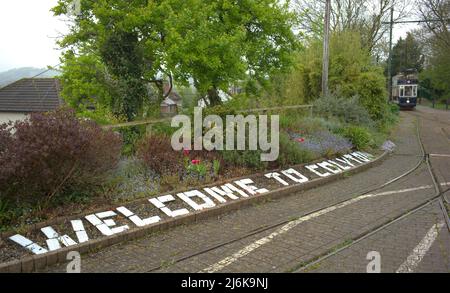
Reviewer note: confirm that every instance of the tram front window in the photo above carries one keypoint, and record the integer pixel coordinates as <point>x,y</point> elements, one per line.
<point>408,91</point>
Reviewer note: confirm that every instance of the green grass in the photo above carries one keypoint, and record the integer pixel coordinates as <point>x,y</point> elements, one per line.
<point>440,106</point>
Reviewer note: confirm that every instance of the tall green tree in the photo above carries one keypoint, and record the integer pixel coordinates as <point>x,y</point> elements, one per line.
<point>407,54</point>
<point>352,73</point>
<point>212,42</point>
<point>436,75</point>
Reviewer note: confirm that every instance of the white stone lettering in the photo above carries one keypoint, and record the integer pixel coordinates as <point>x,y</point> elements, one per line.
<point>350,157</point>
<point>219,192</point>
<point>28,244</point>
<point>105,227</point>
<point>186,197</point>
<point>345,161</point>
<point>295,176</point>
<point>78,227</point>
<point>207,198</point>
<point>54,240</point>
<point>276,176</point>
<point>250,189</point>
<point>216,195</point>
<point>361,156</point>
<point>339,165</point>
<point>159,202</point>
<point>330,167</point>
<point>313,168</point>
<point>136,219</point>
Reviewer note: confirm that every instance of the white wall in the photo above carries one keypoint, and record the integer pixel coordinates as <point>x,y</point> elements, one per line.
<point>6,117</point>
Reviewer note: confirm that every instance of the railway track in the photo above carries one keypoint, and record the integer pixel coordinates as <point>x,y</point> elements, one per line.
<point>438,196</point>
<point>418,114</point>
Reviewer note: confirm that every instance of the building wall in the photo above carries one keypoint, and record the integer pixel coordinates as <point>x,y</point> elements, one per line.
<point>7,116</point>
<point>168,109</point>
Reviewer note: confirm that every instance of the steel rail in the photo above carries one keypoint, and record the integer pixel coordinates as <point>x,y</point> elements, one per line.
<point>437,197</point>
<point>275,225</point>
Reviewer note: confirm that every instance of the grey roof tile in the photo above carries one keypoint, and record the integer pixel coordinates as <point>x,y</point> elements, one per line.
<point>30,95</point>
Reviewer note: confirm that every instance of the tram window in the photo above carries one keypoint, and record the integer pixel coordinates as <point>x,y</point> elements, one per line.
<point>408,91</point>
<point>402,91</point>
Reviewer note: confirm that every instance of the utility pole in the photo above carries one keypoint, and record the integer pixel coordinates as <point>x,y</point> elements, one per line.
<point>391,26</point>
<point>326,54</point>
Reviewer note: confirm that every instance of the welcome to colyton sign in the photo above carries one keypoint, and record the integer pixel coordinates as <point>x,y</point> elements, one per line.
<point>187,202</point>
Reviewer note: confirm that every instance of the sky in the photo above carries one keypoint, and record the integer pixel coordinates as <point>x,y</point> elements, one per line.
<point>28,32</point>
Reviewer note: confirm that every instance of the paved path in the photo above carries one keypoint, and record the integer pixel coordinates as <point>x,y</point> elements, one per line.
<point>312,224</point>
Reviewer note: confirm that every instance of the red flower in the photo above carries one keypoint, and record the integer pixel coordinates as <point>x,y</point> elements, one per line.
<point>301,139</point>
<point>185,152</point>
<point>195,162</point>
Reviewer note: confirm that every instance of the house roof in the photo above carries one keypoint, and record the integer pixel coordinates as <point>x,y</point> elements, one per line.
<point>168,102</point>
<point>30,95</point>
<point>174,96</point>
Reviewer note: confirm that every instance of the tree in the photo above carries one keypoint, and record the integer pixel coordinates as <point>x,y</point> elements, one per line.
<point>436,41</point>
<point>365,16</point>
<point>352,73</point>
<point>436,15</point>
<point>212,42</point>
<point>85,81</point>
<point>407,54</point>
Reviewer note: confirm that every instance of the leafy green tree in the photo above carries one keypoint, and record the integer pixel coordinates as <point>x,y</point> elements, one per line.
<point>407,54</point>
<point>434,80</point>
<point>437,72</point>
<point>352,73</point>
<point>212,42</point>
<point>84,81</point>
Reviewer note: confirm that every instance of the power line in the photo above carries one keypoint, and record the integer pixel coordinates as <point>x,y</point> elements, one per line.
<point>41,98</point>
<point>416,21</point>
<point>391,28</point>
<point>47,70</point>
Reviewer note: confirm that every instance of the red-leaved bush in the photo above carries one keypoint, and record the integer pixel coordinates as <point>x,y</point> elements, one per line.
<point>157,153</point>
<point>51,154</point>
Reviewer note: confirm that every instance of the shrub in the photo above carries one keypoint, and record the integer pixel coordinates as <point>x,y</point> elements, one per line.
<point>323,143</point>
<point>53,155</point>
<point>291,153</point>
<point>347,110</point>
<point>289,122</point>
<point>163,128</point>
<point>247,158</point>
<point>219,110</point>
<point>313,125</point>
<point>359,136</point>
<point>131,135</point>
<point>157,153</point>
<point>373,95</point>
<point>101,115</point>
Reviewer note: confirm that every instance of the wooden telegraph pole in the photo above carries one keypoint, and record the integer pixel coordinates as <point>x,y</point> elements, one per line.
<point>391,25</point>
<point>326,53</point>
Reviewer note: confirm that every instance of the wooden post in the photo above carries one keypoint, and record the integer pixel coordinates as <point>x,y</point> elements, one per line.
<point>326,42</point>
<point>391,27</point>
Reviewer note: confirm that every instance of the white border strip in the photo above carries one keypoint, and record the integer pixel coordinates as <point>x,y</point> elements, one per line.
<point>255,245</point>
<point>420,250</point>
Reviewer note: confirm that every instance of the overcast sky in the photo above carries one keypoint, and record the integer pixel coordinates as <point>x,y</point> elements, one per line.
<point>28,32</point>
